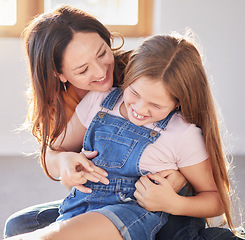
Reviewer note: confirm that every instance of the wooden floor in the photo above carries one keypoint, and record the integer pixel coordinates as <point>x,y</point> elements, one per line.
<point>24,184</point>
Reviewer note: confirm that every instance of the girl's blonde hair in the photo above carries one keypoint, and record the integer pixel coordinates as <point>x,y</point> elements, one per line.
<point>178,63</point>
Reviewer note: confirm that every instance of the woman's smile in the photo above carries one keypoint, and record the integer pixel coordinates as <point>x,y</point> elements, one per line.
<point>88,63</point>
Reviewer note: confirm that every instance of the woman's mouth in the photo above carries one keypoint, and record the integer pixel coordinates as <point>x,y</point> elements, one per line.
<point>104,79</point>
<point>100,80</point>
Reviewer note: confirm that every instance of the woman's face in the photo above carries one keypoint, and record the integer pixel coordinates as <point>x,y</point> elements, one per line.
<point>147,100</point>
<point>88,63</point>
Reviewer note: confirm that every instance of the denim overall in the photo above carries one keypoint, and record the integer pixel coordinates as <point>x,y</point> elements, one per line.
<point>120,145</point>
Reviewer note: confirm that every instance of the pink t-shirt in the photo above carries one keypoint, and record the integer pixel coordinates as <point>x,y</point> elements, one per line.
<point>180,145</point>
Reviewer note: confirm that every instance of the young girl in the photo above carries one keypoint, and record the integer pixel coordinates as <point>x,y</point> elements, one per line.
<point>165,120</point>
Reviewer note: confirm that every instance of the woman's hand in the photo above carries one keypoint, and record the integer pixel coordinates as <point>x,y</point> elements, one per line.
<point>175,178</point>
<point>76,169</point>
<point>156,195</point>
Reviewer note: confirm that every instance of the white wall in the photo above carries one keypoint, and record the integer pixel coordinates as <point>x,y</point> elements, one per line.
<point>14,79</point>
<point>220,26</point>
<point>218,23</point>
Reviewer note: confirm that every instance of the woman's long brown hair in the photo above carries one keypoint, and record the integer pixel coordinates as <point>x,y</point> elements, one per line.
<point>46,39</point>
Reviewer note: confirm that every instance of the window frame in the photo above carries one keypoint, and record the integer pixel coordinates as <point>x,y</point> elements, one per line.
<point>27,9</point>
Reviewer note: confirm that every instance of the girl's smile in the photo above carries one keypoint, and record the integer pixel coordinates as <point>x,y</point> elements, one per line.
<point>136,115</point>
<point>146,100</point>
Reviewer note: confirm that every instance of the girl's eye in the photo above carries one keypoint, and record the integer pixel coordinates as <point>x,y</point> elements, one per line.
<point>103,54</point>
<point>156,106</point>
<point>134,93</point>
<point>85,70</point>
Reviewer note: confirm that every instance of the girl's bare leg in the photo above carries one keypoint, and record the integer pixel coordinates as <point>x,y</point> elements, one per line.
<point>87,226</point>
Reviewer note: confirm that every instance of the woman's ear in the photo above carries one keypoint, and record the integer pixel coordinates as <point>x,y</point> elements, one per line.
<point>61,77</point>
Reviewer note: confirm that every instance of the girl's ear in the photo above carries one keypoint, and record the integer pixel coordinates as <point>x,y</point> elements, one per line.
<point>177,107</point>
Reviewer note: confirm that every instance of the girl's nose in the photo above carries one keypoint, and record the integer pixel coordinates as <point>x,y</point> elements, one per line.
<point>141,108</point>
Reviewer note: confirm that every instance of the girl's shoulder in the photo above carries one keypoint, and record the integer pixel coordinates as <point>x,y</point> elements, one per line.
<point>90,105</point>
<point>180,129</point>
<point>177,122</point>
<point>95,97</point>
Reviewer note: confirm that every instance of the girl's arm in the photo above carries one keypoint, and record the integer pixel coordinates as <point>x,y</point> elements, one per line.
<point>162,197</point>
<point>207,202</point>
<point>68,163</point>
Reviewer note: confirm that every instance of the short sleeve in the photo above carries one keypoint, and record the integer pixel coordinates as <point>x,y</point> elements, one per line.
<point>191,148</point>
<point>88,107</point>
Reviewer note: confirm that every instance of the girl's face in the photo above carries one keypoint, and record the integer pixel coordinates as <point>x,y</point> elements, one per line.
<point>88,63</point>
<point>146,100</point>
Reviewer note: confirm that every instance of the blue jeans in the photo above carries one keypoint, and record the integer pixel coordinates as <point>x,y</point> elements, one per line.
<point>31,218</point>
<point>188,228</point>
<point>40,216</point>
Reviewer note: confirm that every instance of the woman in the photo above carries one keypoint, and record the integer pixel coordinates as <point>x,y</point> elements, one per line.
<point>63,69</point>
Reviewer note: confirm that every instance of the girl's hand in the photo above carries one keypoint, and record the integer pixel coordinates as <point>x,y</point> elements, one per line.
<point>175,178</point>
<point>76,169</point>
<point>158,196</point>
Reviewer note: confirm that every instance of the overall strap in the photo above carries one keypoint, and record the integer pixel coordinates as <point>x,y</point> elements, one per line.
<point>164,122</point>
<point>111,99</point>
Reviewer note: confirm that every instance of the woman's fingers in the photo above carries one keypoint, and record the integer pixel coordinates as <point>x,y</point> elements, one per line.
<point>81,188</point>
<point>100,178</point>
<point>139,184</point>
<point>77,170</point>
<point>97,175</point>
<point>81,176</point>
<point>90,154</point>
<point>85,162</point>
<point>166,173</point>
<point>145,182</point>
<point>156,178</point>
<point>72,178</point>
<point>175,178</point>
<point>98,170</point>
<point>141,187</point>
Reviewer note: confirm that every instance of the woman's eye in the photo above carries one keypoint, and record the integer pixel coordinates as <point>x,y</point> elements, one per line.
<point>85,70</point>
<point>103,54</point>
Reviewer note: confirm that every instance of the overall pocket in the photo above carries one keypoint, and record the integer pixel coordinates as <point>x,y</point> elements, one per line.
<point>113,150</point>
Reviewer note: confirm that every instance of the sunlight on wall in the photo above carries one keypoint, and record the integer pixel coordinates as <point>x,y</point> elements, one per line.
<point>8,14</point>
<point>109,12</point>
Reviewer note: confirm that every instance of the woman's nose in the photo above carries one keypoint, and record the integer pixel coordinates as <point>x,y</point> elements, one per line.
<point>99,71</point>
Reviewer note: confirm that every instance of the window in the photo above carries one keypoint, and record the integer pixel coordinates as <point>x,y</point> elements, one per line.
<point>8,12</point>
<point>133,21</point>
<point>19,13</point>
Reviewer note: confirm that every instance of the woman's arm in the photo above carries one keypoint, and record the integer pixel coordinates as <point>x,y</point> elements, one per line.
<point>68,163</point>
<point>162,197</point>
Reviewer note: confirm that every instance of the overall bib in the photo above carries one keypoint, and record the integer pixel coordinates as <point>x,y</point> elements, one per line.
<point>120,145</point>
